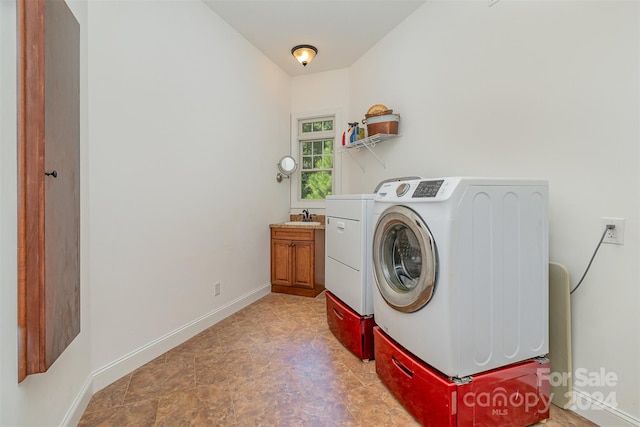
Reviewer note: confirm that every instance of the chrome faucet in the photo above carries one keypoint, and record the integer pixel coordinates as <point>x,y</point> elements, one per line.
<point>306,217</point>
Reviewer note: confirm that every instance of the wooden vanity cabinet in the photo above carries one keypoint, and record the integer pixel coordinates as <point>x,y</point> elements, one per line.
<point>297,261</point>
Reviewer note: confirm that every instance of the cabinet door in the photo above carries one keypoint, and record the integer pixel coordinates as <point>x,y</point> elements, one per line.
<point>303,259</point>
<point>281,260</point>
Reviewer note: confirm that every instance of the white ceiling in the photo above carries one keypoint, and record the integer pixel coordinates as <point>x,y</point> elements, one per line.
<point>342,30</point>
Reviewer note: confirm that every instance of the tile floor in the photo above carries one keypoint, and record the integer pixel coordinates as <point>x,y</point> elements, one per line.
<point>274,363</point>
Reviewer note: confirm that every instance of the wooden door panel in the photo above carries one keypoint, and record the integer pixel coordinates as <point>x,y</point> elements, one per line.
<point>280,262</point>
<point>48,208</point>
<point>61,193</point>
<point>303,260</point>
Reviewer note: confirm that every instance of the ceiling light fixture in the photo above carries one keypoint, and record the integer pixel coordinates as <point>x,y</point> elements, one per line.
<point>304,53</point>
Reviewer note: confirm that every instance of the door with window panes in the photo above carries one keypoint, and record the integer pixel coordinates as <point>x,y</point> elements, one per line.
<point>316,137</point>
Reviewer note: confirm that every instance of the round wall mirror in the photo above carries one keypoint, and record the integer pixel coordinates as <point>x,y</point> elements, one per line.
<point>287,165</point>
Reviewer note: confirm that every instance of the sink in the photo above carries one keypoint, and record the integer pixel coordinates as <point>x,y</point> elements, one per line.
<point>301,223</point>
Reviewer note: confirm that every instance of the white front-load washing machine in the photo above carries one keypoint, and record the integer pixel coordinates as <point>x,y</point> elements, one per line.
<point>461,270</point>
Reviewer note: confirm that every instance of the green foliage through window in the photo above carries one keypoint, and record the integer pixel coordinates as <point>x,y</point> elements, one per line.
<point>317,126</point>
<point>316,137</point>
<point>317,168</point>
<point>316,185</point>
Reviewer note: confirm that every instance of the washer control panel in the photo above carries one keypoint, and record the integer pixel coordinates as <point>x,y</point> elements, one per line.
<point>402,189</point>
<point>428,188</point>
<point>418,190</point>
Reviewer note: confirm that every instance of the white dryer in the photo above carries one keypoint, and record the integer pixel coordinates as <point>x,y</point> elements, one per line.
<point>348,231</point>
<point>461,270</point>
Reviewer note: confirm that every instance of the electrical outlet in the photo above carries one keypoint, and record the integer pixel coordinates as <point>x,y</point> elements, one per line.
<point>216,290</point>
<point>615,235</point>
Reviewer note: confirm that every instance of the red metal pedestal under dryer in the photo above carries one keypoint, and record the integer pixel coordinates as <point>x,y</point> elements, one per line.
<point>517,395</point>
<point>348,272</point>
<point>355,332</point>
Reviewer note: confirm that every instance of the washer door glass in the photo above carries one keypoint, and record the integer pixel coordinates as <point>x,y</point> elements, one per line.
<point>404,259</point>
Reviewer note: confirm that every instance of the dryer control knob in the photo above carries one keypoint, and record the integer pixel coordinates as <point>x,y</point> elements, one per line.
<point>402,189</point>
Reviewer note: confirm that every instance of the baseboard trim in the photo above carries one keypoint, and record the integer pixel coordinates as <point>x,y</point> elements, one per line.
<point>131,361</point>
<point>74,414</point>
<point>600,412</point>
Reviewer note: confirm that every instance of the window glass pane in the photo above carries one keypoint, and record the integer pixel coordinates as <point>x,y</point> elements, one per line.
<point>328,162</point>
<point>304,178</point>
<point>317,147</point>
<point>316,157</point>
<point>328,146</point>
<point>316,185</point>
<point>307,162</point>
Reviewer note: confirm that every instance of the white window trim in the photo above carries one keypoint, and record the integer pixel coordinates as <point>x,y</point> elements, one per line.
<point>295,153</point>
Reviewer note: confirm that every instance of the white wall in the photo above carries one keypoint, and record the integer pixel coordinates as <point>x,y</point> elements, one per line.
<point>321,91</point>
<point>188,122</point>
<point>529,89</point>
<point>49,398</point>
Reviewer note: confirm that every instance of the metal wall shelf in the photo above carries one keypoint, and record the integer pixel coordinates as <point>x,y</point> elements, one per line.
<point>368,143</point>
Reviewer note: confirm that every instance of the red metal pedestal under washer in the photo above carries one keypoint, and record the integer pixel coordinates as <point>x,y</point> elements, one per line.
<point>355,332</point>
<point>517,395</point>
